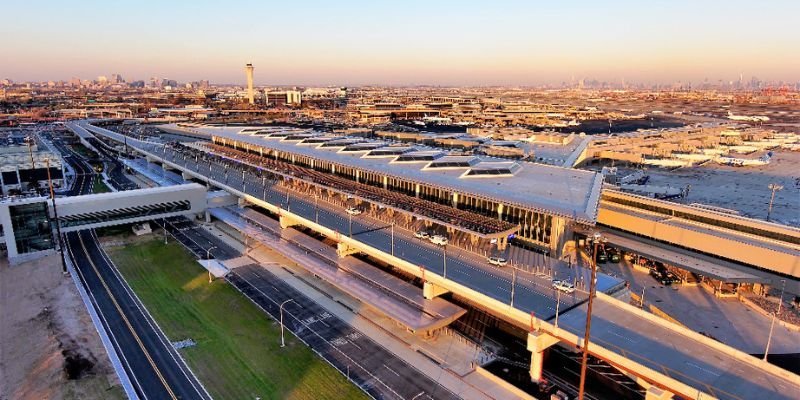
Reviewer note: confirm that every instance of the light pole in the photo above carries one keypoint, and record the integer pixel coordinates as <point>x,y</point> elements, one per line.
<point>316,208</point>
<point>513,281</point>
<point>55,215</point>
<point>558,303</point>
<point>585,357</point>
<point>283,344</point>
<point>444,261</point>
<point>774,315</point>
<point>350,225</point>
<point>208,262</point>
<point>392,238</point>
<point>774,187</point>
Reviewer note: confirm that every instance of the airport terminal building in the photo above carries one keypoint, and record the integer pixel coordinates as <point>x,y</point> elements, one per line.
<point>544,203</point>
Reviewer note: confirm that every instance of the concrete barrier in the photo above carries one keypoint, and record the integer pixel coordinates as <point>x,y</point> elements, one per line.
<point>758,309</point>
<point>503,383</point>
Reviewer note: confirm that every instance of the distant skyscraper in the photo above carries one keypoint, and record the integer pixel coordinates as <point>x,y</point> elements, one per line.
<point>251,97</point>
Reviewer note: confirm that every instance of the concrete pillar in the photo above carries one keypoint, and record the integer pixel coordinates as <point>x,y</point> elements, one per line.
<point>538,342</point>
<point>500,211</point>
<point>186,176</point>
<point>344,250</point>
<point>502,242</point>
<point>429,290</point>
<point>208,216</point>
<point>655,393</point>
<point>416,189</point>
<point>385,182</point>
<point>455,200</point>
<point>286,221</point>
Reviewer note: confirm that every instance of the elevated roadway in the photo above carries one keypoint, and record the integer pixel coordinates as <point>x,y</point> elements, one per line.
<point>533,305</point>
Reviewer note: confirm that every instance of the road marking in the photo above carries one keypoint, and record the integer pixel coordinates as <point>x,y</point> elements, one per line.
<point>391,370</point>
<point>706,370</point>
<point>125,319</point>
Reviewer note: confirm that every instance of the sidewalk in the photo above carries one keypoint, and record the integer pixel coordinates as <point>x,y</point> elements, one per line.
<point>445,358</point>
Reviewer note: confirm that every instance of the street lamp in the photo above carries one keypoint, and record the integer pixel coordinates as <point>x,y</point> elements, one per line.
<point>774,187</point>
<point>513,282</point>
<point>283,344</point>
<point>55,215</point>
<point>444,261</point>
<point>208,262</point>
<point>585,357</point>
<point>316,208</point>
<point>774,315</point>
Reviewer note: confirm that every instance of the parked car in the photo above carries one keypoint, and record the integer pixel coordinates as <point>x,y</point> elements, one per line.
<point>438,239</point>
<point>672,278</point>
<point>499,261</point>
<point>563,286</point>
<point>601,256</point>
<point>352,211</point>
<point>659,276</point>
<point>613,255</point>
<point>421,234</point>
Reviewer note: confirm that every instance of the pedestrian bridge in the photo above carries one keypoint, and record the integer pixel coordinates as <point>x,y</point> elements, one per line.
<point>27,224</point>
<point>118,208</point>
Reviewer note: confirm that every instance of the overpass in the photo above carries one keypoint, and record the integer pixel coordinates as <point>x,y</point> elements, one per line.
<point>27,222</point>
<point>666,358</point>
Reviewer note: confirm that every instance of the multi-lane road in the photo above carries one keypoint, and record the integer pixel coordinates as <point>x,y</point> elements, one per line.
<point>531,292</point>
<point>153,366</point>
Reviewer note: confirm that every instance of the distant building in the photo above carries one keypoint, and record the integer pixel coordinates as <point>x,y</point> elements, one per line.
<point>248,69</point>
<point>283,98</point>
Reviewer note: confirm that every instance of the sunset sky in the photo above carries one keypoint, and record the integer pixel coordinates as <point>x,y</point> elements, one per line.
<point>410,42</point>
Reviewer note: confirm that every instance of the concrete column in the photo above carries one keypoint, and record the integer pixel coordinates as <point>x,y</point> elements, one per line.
<point>429,290</point>
<point>502,242</point>
<point>358,176</point>
<point>655,393</point>
<point>500,211</point>
<point>416,189</point>
<point>538,342</point>
<point>344,250</point>
<point>385,182</point>
<point>286,221</point>
<point>455,200</point>
<point>186,176</point>
<point>208,216</point>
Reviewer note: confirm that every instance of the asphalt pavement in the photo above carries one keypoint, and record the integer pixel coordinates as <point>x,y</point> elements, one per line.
<point>153,365</point>
<point>365,362</point>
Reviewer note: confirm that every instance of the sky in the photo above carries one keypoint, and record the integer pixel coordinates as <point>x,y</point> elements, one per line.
<point>406,42</point>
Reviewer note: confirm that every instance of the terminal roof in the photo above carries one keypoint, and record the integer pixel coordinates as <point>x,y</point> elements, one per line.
<point>566,192</point>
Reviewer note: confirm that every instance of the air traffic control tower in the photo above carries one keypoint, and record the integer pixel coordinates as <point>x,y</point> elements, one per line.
<point>248,69</point>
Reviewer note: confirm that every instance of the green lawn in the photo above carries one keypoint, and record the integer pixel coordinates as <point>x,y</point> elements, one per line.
<point>98,186</point>
<point>238,354</point>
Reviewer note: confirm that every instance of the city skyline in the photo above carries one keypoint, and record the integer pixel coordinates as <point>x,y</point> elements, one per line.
<point>446,43</point>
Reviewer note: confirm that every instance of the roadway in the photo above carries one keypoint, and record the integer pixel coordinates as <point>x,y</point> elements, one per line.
<point>722,372</point>
<point>152,364</point>
<point>532,292</point>
<point>369,365</point>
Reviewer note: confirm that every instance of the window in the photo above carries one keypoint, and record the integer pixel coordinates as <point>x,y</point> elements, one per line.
<point>31,226</point>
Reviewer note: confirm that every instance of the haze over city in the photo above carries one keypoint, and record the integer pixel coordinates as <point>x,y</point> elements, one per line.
<point>417,200</point>
<point>416,42</point>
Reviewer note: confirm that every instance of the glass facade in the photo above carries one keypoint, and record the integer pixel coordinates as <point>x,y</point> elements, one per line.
<point>32,229</point>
